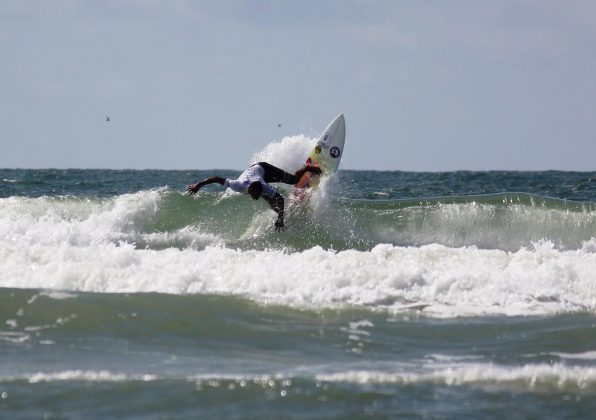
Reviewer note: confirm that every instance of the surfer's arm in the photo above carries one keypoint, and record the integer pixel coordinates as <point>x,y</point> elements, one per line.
<point>277,205</point>
<point>193,188</point>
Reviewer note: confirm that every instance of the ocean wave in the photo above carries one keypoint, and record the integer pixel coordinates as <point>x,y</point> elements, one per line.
<point>505,254</point>
<point>163,218</point>
<point>438,280</point>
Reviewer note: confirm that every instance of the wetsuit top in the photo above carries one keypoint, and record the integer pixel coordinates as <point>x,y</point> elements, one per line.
<point>252,174</point>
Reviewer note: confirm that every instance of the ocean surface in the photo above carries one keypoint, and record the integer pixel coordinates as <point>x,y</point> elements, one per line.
<point>390,295</point>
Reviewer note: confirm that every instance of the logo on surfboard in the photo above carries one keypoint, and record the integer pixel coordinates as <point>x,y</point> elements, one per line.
<point>325,140</point>
<point>334,152</point>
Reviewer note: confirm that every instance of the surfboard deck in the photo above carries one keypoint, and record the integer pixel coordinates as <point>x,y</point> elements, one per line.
<point>326,154</point>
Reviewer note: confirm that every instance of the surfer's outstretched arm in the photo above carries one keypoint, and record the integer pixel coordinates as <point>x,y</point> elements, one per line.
<point>277,205</point>
<point>193,188</point>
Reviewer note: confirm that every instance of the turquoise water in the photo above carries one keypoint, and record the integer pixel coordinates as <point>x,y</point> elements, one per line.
<point>391,294</point>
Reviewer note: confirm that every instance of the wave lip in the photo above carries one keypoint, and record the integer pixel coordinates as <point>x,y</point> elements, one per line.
<point>162,218</point>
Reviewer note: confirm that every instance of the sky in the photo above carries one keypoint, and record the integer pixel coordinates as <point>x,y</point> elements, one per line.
<point>424,85</point>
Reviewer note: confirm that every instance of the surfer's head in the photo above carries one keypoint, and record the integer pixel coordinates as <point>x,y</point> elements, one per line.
<point>255,189</point>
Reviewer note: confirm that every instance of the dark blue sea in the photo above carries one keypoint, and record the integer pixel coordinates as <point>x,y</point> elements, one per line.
<point>390,295</point>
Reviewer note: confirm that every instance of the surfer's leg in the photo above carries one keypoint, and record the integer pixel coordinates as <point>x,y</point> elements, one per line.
<point>274,174</point>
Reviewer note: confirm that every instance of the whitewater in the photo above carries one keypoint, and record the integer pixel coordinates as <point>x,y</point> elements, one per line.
<point>389,293</point>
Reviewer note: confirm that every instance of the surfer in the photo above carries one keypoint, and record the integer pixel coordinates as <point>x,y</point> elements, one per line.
<point>255,181</point>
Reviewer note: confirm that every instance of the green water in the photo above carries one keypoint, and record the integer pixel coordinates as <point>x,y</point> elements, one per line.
<point>391,295</point>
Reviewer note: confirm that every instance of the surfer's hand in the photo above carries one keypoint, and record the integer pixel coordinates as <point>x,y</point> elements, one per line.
<point>192,189</point>
<point>279,226</point>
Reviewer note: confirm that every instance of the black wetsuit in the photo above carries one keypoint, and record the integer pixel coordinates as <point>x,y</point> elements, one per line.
<point>274,174</point>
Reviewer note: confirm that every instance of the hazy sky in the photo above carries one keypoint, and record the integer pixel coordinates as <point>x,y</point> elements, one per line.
<point>424,85</point>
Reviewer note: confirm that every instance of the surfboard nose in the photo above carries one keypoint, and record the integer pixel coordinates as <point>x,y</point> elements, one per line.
<point>338,126</point>
<point>338,123</point>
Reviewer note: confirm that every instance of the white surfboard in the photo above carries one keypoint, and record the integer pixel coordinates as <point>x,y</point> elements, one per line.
<point>327,152</point>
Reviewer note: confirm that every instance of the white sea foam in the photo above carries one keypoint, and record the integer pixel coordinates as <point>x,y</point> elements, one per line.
<point>88,245</point>
<point>68,222</point>
<point>525,378</point>
<point>452,282</point>
<point>78,375</point>
<point>14,337</point>
<point>538,377</point>
<point>588,355</point>
<point>58,295</point>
